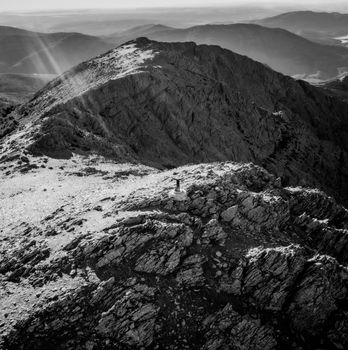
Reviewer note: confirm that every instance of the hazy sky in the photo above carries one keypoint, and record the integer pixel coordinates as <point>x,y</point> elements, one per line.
<point>19,5</point>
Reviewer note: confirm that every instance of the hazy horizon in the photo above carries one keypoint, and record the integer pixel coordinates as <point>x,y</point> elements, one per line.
<point>71,5</point>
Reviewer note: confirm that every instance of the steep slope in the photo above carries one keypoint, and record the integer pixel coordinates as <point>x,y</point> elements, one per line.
<point>321,26</point>
<point>113,262</point>
<point>169,104</point>
<point>29,52</point>
<point>283,51</point>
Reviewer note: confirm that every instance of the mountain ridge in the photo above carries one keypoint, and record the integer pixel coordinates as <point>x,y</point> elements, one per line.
<point>282,50</point>
<point>209,116</point>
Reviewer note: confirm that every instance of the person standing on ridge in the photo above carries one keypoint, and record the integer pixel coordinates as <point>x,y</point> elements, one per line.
<point>178,194</point>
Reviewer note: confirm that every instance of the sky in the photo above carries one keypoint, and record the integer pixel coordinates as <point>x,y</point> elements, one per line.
<point>24,5</point>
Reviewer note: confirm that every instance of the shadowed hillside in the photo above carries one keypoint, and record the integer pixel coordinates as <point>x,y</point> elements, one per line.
<point>167,104</point>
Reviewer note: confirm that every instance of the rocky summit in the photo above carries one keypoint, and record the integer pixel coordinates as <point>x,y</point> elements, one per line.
<point>242,263</point>
<point>95,251</point>
<point>169,104</point>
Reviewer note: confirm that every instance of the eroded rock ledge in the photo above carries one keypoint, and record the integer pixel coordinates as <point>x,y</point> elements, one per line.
<point>243,263</point>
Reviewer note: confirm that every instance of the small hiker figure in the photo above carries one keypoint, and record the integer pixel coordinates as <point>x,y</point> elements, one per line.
<point>178,194</point>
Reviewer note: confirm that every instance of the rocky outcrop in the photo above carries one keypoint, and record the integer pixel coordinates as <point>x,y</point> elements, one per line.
<point>234,266</point>
<point>308,292</point>
<point>169,104</point>
<point>268,275</point>
<point>320,222</point>
<point>318,297</point>
<point>229,330</point>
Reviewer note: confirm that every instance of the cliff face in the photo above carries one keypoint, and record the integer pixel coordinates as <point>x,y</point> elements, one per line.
<point>243,263</point>
<point>167,104</point>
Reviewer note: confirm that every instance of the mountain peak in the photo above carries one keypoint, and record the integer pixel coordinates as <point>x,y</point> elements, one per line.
<point>126,59</point>
<point>169,104</point>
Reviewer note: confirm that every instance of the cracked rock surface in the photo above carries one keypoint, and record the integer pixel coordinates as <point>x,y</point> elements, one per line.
<point>243,263</point>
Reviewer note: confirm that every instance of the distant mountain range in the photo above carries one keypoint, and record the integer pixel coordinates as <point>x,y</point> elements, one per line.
<point>17,88</point>
<point>320,26</point>
<point>26,53</point>
<point>283,51</point>
<point>30,53</point>
<point>104,22</point>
